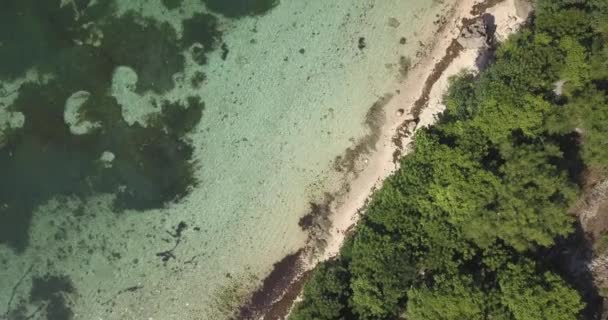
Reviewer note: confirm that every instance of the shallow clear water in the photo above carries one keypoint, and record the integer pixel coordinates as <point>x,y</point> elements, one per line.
<point>169,185</point>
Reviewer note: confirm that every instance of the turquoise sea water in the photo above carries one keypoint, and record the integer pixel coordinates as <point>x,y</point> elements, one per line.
<point>156,156</point>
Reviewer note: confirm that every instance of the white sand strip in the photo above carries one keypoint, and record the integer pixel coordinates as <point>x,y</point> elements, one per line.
<point>508,17</point>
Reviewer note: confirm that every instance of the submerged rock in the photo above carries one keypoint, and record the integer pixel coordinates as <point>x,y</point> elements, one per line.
<point>393,22</point>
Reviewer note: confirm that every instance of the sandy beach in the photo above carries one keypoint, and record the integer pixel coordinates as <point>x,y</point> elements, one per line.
<point>307,109</point>
<point>380,164</point>
<point>458,46</point>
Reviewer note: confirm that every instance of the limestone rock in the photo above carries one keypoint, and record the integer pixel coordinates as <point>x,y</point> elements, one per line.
<point>474,35</point>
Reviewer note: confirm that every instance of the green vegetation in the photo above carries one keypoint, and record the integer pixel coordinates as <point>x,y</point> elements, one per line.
<point>458,231</point>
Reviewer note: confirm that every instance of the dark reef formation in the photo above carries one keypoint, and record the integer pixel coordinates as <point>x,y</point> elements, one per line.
<point>50,297</point>
<point>240,8</point>
<point>80,45</point>
<point>172,4</point>
<point>75,47</point>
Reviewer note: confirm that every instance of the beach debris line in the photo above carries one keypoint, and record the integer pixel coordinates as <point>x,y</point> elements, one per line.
<point>274,287</point>
<point>349,161</point>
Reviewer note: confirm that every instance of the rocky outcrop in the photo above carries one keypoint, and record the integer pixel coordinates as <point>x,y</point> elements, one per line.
<point>478,33</point>
<point>584,255</point>
<point>524,7</point>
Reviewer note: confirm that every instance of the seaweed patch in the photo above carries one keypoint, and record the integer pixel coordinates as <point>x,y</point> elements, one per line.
<point>240,8</point>
<point>274,287</point>
<point>374,120</point>
<point>149,165</point>
<point>51,291</point>
<point>172,4</point>
<point>177,236</point>
<point>35,32</point>
<point>149,47</point>
<point>145,166</point>
<point>50,296</point>
<point>202,29</point>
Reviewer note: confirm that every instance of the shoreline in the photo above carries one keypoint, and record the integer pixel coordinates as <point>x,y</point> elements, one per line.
<point>392,121</point>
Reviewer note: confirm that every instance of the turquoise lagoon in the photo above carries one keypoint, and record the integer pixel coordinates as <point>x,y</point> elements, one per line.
<point>156,156</point>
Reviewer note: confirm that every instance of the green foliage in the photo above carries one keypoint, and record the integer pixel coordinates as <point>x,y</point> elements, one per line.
<point>327,293</point>
<point>454,298</point>
<point>589,113</point>
<point>381,272</point>
<point>528,63</point>
<point>571,22</point>
<point>529,295</point>
<point>599,59</point>
<point>460,99</point>
<point>522,293</point>
<point>531,210</point>
<point>451,234</point>
<point>576,70</point>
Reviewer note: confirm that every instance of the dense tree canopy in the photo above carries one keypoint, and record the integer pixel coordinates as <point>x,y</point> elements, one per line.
<point>456,232</point>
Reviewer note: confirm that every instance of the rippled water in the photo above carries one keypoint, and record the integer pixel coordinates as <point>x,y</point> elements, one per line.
<point>156,156</point>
